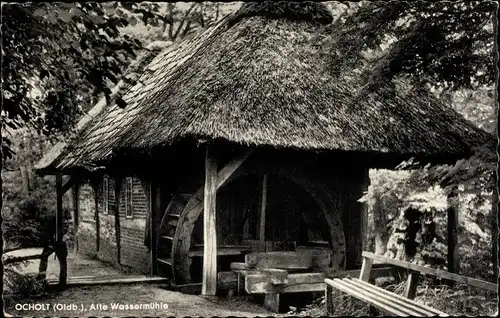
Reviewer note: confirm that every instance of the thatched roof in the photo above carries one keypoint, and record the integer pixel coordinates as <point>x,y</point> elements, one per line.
<point>258,78</point>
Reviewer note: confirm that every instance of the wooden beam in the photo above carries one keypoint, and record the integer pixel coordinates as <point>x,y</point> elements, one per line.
<point>288,260</point>
<point>375,272</point>
<point>228,170</point>
<point>155,195</point>
<point>238,266</point>
<point>274,275</point>
<point>452,212</point>
<point>147,187</point>
<point>118,188</point>
<point>366,268</point>
<point>396,299</point>
<point>262,214</point>
<point>345,287</point>
<point>17,259</point>
<point>209,281</point>
<point>76,204</point>
<point>59,211</point>
<point>191,212</point>
<point>76,211</point>
<point>493,221</point>
<point>329,299</point>
<point>302,282</point>
<point>69,184</point>
<point>272,302</point>
<point>411,285</point>
<point>95,187</point>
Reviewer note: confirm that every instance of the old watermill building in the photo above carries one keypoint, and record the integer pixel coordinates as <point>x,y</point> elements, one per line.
<point>240,139</point>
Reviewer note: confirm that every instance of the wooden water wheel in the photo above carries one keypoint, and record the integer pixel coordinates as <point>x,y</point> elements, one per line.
<point>175,242</point>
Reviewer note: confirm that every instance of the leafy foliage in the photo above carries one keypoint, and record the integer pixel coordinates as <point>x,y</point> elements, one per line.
<point>446,44</point>
<point>17,230</point>
<point>25,215</point>
<point>27,198</point>
<point>59,58</point>
<point>447,48</point>
<point>22,286</point>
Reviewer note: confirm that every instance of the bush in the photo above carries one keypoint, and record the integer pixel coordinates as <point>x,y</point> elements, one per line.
<point>23,211</point>
<point>25,226</point>
<point>18,231</point>
<point>19,286</point>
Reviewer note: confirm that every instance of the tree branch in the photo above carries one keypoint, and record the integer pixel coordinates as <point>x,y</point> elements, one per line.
<point>186,14</point>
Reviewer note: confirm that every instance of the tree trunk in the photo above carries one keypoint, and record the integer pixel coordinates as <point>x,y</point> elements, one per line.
<point>24,167</point>
<point>217,12</point>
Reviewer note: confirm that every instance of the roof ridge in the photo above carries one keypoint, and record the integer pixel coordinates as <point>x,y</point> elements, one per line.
<point>309,11</point>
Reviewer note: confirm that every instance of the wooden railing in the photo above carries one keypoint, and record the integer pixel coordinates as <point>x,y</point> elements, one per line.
<point>389,302</point>
<point>17,259</point>
<point>433,272</point>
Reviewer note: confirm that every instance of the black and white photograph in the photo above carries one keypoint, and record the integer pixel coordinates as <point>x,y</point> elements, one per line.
<point>249,159</point>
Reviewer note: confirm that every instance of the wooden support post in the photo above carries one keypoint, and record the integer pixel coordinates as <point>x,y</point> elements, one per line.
<point>328,299</point>
<point>366,268</point>
<point>262,225</point>
<point>61,250</point>
<point>453,256</point>
<point>147,187</point>
<point>76,211</point>
<point>155,193</point>
<point>411,285</point>
<point>364,275</point>
<point>272,302</point>
<point>95,186</point>
<point>69,184</point>
<point>239,284</point>
<point>209,282</point>
<point>364,213</point>
<point>182,237</point>
<point>59,211</point>
<point>118,188</point>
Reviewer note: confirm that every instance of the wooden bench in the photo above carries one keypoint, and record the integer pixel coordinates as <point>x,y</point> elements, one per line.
<point>389,302</point>
<point>275,273</point>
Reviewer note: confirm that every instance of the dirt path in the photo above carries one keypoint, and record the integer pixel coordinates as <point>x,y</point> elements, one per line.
<point>98,300</point>
<point>94,299</point>
<point>78,265</point>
